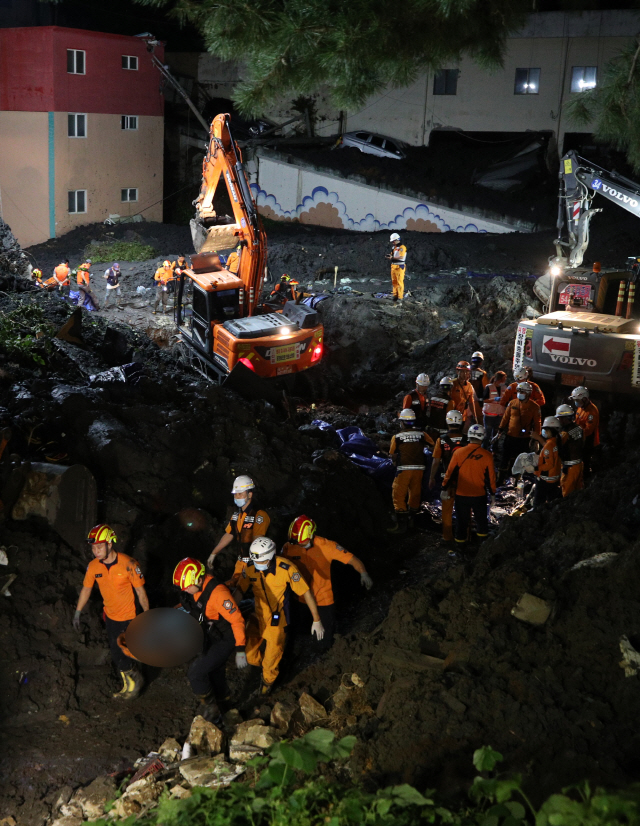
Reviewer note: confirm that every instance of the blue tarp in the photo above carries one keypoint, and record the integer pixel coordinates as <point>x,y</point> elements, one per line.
<point>363,453</point>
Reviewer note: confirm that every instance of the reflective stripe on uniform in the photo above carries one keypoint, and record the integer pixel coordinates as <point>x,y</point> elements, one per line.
<point>411,467</point>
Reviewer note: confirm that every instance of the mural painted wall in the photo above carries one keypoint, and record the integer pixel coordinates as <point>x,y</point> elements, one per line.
<point>288,192</point>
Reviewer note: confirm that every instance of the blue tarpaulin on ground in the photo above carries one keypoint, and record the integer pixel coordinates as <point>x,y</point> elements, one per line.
<point>363,453</point>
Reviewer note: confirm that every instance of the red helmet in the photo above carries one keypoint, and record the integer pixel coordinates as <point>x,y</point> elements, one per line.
<point>302,530</point>
<point>188,572</point>
<point>101,533</point>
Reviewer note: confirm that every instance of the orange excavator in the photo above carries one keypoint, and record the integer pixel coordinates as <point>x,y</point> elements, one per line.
<point>225,326</point>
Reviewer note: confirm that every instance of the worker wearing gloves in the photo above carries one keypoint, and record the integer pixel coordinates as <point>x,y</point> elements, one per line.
<point>549,463</point>
<point>571,451</point>
<point>494,407</point>
<point>398,258</point>
<point>463,395</point>
<point>407,453</point>
<point>271,577</point>
<point>418,401</point>
<point>523,374</point>
<point>113,285</point>
<point>118,576</point>
<point>247,522</point>
<point>201,595</point>
<point>587,418</point>
<point>163,276</point>
<point>440,405</point>
<point>520,420</point>
<point>313,555</point>
<point>478,378</point>
<point>445,447</point>
<point>472,473</point>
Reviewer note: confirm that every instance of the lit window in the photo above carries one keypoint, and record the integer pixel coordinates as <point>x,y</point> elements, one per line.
<point>76,126</point>
<point>128,195</point>
<point>445,82</point>
<point>78,200</point>
<point>129,121</point>
<point>75,62</point>
<point>583,78</point>
<point>527,82</point>
<point>130,62</point>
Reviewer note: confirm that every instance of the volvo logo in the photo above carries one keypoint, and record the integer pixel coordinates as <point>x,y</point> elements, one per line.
<point>597,184</point>
<point>574,360</point>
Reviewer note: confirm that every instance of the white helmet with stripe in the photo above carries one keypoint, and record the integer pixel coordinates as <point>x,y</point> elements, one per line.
<point>262,549</point>
<point>242,484</point>
<point>407,415</point>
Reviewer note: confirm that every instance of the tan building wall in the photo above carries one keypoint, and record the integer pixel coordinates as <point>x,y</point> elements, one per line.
<point>108,160</point>
<point>24,175</point>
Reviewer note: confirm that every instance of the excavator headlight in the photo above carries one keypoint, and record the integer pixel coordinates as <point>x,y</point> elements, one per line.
<point>555,269</point>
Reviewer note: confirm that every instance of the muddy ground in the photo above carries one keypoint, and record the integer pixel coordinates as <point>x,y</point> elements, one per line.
<point>164,452</point>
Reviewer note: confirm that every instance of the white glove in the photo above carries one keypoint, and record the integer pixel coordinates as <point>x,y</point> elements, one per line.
<point>241,659</point>
<point>318,629</point>
<point>444,495</point>
<point>366,580</point>
<point>492,502</point>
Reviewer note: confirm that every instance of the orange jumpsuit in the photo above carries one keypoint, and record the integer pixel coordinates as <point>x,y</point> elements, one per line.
<point>471,470</point>
<point>409,445</point>
<point>465,401</point>
<point>571,453</point>
<point>268,624</point>
<point>247,525</point>
<point>314,564</point>
<point>116,584</point>
<point>443,451</point>
<point>398,264</point>
<point>511,393</point>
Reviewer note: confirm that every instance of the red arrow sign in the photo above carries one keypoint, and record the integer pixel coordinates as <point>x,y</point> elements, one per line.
<point>553,345</point>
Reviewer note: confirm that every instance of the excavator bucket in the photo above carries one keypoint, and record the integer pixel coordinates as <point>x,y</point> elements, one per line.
<point>248,384</point>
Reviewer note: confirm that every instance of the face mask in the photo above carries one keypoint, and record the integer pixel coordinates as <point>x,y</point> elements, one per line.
<point>239,502</point>
<point>522,396</point>
<point>261,566</point>
<point>546,433</point>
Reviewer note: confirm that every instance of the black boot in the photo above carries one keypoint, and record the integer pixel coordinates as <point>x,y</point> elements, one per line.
<point>402,521</point>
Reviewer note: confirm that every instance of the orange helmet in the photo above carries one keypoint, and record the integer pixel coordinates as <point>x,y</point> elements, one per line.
<point>188,571</point>
<point>463,365</point>
<point>302,530</point>
<point>101,533</point>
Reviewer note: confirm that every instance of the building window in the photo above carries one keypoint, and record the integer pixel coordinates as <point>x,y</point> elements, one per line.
<point>76,126</point>
<point>75,62</point>
<point>527,82</point>
<point>130,62</point>
<point>583,78</point>
<point>129,121</point>
<point>78,200</point>
<point>445,82</point>
<point>128,195</point>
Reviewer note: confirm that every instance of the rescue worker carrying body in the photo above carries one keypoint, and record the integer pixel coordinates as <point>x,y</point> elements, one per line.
<point>61,276</point>
<point>588,418</point>
<point>493,407</point>
<point>313,556</point>
<point>479,378</point>
<point>211,603</point>
<point>285,290</point>
<point>418,401</point>
<point>398,258</point>
<point>520,420</point>
<point>163,276</point>
<point>520,375</point>
<point>445,447</point>
<point>407,453</point>
<point>472,473</point>
<point>271,578</point>
<point>118,576</point>
<point>247,523</point>
<point>463,395</point>
<point>549,462</point>
<point>571,451</point>
<point>36,275</point>
<point>440,405</point>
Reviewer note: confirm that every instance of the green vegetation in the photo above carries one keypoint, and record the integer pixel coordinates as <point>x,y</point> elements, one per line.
<point>23,333</point>
<point>287,789</point>
<point>110,251</point>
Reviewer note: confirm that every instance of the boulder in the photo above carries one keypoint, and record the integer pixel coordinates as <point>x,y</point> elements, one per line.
<point>138,798</point>
<point>242,754</point>
<point>93,797</point>
<point>205,737</point>
<point>311,709</point>
<point>210,771</point>
<point>255,733</point>
<point>281,715</point>
<point>170,750</point>
<point>180,792</point>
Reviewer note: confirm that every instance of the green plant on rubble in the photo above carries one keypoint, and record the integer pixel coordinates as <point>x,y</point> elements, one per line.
<point>110,251</point>
<point>23,333</point>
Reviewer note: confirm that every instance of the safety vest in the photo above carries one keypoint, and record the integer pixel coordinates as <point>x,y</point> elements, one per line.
<point>449,444</point>
<point>213,629</point>
<point>411,445</point>
<point>422,413</point>
<point>399,256</point>
<point>544,473</point>
<point>476,380</point>
<point>244,537</point>
<point>571,449</point>
<point>493,405</point>
<point>438,413</point>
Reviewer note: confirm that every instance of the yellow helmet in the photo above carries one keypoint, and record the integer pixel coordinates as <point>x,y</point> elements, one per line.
<point>101,533</point>
<point>188,571</point>
<point>166,264</point>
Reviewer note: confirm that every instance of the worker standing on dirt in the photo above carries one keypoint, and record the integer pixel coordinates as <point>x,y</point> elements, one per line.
<point>113,284</point>
<point>398,258</point>
<point>418,401</point>
<point>180,264</point>
<point>163,277</point>
<point>446,445</point>
<point>521,418</point>
<point>61,275</point>
<point>284,290</point>
<point>472,473</point>
<point>463,395</point>
<point>494,407</point>
<point>523,374</point>
<point>313,555</point>
<point>478,378</point>
<point>549,463</point>
<point>118,576</point>
<point>407,453</point>
<point>247,522</point>
<point>83,277</point>
<point>571,451</point>
<point>202,596</point>
<point>271,577</point>
<point>588,418</point>
<point>439,406</point>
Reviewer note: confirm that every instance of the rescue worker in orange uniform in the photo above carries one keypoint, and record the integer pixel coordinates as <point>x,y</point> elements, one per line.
<point>118,576</point>
<point>446,446</point>
<point>61,276</point>
<point>463,395</point>
<point>520,420</point>
<point>494,407</point>
<point>407,452</point>
<point>418,401</point>
<point>472,473</point>
<point>163,276</point>
<point>36,275</point>
<point>571,451</point>
<point>271,578</point>
<point>284,290</point>
<point>313,556</point>
<point>201,595</point>
<point>478,378</point>
<point>440,405</point>
<point>549,463</point>
<point>180,265</point>
<point>520,375</point>
<point>83,278</point>
<point>588,418</point>
<point>233,260</point>
<point>398,258</point>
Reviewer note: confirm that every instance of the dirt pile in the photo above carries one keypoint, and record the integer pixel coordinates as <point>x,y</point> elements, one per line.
<point>12,260</point>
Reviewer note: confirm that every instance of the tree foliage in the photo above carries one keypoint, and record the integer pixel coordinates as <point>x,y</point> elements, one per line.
<point>352,47</point>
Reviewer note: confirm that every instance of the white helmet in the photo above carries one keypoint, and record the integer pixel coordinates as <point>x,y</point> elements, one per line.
<point>477,355</point>
<point>423,380</point>
<point>447,381</point>
<point>242,484</point>
<point>262,549</point>
<point>551,421</point>
<point>394,237</point>
<point>454,417</point>
<point>565,410</point>
<point>407,415</point>
<point>580,394</point>
<point>520,374</point>
<point>476,432</point>
<point>524,387</point>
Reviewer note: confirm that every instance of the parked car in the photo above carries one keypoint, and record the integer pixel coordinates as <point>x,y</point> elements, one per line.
<point>373,144</point>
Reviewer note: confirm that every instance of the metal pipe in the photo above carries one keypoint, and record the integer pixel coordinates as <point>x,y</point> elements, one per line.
<point>621,292</point>
<point>631,299</point>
